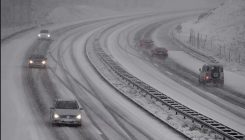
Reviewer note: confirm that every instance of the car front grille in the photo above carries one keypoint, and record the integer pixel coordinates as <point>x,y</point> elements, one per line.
<point>68,116</point>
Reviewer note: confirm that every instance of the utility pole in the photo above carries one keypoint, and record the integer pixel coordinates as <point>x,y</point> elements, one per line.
<point>13,6</point>
<point>21,11</point>
<point>29,10</point>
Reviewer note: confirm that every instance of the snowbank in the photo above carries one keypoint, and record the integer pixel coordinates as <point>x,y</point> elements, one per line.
<point>221,34</point>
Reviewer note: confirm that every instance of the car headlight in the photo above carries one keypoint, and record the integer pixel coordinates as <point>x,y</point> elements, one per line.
<point>79,116</point>
<point>48,35</point>
<point>30,61</point>
<point>56,116</point>
<point>39,35</point>
<point>43,62</point>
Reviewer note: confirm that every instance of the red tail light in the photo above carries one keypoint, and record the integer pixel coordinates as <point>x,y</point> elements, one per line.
<point>155,52</point>
<point>166,53</point>
<point>143,43</point>
<point>151,43</point>
<point>206,77</point>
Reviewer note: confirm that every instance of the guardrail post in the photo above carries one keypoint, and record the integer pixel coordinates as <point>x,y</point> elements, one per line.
<point>220,51</point>
<point>239,57</point>
<point>224,51</point>
<point>229,55</point>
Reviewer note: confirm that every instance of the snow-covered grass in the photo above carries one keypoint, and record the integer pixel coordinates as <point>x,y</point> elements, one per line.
<point>221,34</point>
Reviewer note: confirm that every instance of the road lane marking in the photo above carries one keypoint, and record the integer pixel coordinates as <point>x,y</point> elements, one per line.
<point>155,64</point>
<point>146,58</point>
<point>169,72</point>
<point>186,82</point>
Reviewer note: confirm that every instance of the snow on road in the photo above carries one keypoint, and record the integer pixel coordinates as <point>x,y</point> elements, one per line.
<point>17,118</point>
<point>152,76</point>
<point>123,106</point>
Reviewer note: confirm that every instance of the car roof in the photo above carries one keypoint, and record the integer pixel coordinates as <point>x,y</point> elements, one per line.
<point>37,56</point>
<point>213,64</point>
<point>147,40</point>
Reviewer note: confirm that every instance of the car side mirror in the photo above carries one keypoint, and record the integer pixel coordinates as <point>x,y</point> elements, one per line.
<point>81,108</point>
<point>199,69</point>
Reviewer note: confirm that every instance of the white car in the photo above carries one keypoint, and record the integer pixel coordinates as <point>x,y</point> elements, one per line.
<point>44,34</point>
<point>66,111</point>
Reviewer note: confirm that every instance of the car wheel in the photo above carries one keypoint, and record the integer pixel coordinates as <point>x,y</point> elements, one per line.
<point>199,81</point>
<point>54,124</point>
<point>221,84</point>
<point>78,125</point>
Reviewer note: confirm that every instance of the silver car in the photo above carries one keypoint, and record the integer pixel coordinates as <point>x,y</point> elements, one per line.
<point>66,111</point>
<point>44,34</point>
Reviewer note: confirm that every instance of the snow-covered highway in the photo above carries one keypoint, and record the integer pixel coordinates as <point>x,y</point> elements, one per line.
<point>27,94</point>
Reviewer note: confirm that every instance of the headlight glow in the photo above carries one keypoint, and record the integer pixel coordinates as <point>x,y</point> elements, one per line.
<point>48,35</point>
<point>43,62</point>
<point>79,116</point>
<point>30,61</point>
<point>56,116</point>
<point>39,35</point>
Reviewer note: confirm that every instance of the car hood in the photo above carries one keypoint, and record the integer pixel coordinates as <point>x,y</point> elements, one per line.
<point>44,33</point>
<point>67,111</point>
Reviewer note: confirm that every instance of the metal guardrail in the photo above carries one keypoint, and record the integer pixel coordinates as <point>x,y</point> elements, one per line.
<point>220,129</point>
<point>9,37</point>
<point>198,54</point>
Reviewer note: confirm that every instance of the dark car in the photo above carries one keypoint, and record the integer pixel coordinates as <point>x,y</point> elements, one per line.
<point>37,60</point>
<point>211,74</point>
<point>159,52</point>
<point>44,34</point>
<point>146,43</point>
<point>66,111</point>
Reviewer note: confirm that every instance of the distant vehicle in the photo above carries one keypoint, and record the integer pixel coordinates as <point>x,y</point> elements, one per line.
<point>37,60</point>
<point>146,43</point>
<point>211,74</point>
<point>44,34</point>
<point>159,52</point>
<point>66,111</point>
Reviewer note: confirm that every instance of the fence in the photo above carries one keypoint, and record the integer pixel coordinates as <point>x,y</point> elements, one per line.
<point>227,52</point>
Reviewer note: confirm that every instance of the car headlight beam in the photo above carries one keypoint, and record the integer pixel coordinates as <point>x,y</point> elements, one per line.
<point>39,35</point>
<point>48,35</point>
<point>43,62</point>
<point>30,61</point>
<point>56,116</point>
<point>79,116</point>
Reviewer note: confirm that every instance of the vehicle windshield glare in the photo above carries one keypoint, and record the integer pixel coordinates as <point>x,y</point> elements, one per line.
<point>66,105</point>
<point>44,31</point>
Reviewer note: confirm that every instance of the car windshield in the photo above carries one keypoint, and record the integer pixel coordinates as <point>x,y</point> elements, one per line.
<point>66,105</point>
<point>44,31</point>
<point>37,56</point>
<point>160,50</point>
